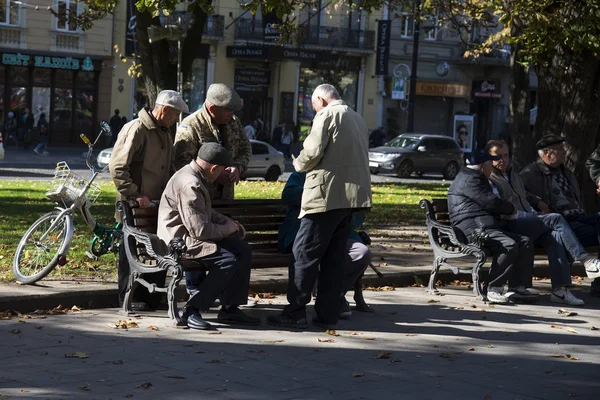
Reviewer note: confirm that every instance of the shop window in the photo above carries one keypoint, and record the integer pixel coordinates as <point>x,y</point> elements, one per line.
<point>9,12</point>
<point>63,78</point>
<point>2,108</point>
<point>40,103</point>
<point>18,75</point>
<point>62,115</point>
<point>86,80</point>
<point>429,25</point>
<point>84,111</point>
<point>18,99</point>
<point>42,77</point>
<point>66,10</point>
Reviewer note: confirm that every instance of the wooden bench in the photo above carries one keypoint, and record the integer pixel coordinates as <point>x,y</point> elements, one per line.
<point>260,218</point>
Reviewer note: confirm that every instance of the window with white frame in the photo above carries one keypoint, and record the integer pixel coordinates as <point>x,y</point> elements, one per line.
<point>9,12</point>
<point>429,26</point>
<point>64,8</point>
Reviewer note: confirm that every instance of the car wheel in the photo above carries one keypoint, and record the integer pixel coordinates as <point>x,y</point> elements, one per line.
<point>272,174</point>
<point>451,170</point>
<point>405,169</point>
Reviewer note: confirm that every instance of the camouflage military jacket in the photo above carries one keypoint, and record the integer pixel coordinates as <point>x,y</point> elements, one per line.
<point>197,129</point>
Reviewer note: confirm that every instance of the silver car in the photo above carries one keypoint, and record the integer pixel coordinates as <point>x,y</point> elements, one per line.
<point>419,153</point>
<point>266,162</point>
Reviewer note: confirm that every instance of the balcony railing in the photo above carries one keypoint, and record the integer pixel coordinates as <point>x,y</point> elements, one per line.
<point>69,42</point>
<point>249,29</point>
<point>329,36</point>
<point>10,37</point>
<point>214,27</point>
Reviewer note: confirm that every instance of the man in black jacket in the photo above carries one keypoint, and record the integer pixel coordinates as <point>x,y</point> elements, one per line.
<point>552,187</point>
<point>473,205</point>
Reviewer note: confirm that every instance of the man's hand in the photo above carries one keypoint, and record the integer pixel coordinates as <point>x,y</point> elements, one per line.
<point>224,178</point>
<point>544,208</point>
<point>295,164</point>
<point>598,188</point>
<point>234,174</point>
<point>241,230</point>
<point>143,202</point>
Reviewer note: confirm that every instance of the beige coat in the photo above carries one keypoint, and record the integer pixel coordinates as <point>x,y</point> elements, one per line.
<point>140,164</point>
<point>185,211</point>
<point>335,155</point>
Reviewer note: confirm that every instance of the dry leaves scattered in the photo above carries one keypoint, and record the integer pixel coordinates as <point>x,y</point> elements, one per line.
<point>86,387</point>
<point>153,328</point>
<point>332,332</point>
<point>325,340</point>
<point>383,356</point>
<point>565,356</point>
<point>567,313</point>
<point>380,288</point>
<point>144,385</point>
<point>78,354</point>
<point>433,301</point>
<point>358,374</point>
<point>273,341</point>
<point>369,338</point>
<point>125,324</point>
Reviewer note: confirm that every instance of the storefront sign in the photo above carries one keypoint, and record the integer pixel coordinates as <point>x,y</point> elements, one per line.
<point>384,28</point>
<point>428,88</point>
<point>26,60</point>
<point>487,89</point>
<point>270,21</point>
<point>324,59</point>
<point>251,79</point>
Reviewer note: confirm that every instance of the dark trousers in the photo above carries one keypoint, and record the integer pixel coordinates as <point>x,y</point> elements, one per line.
<point>587,229</point>
<point>142,294</point>
<point>512,258</point>
<point>319,251</point>
<point>228,275</point>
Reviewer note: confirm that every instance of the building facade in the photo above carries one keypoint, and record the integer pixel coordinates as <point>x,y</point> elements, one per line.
<point>54,68</point>
<point>336,45</point>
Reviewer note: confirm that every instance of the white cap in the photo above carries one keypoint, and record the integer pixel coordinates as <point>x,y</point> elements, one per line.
<point>172,99</point>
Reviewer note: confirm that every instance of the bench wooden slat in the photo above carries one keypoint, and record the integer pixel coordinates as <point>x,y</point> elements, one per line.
<point>266,211</point>
<point>261,237</point>
<point>261,219</point>
<point>261,227</point>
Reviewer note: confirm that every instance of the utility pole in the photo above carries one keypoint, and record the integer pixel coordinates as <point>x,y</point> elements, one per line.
<point>413,71</point>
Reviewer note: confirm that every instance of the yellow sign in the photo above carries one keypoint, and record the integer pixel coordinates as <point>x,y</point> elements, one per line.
<point>441,89</point>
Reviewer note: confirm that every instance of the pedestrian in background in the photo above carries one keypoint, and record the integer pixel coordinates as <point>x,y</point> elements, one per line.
<point>44,128</point>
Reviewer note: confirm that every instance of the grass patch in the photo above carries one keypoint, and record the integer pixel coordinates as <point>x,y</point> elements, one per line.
<point>22,202</point>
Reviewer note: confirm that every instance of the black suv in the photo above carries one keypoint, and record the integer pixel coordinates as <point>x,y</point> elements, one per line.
<point>419,153</point>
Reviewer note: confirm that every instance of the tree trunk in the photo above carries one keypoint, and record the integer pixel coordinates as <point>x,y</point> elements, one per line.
<point>569,105</point>
<point>522,140</point>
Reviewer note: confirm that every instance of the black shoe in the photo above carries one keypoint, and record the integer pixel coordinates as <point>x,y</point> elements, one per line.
<point>345,312</point>
<point>321,324</point>
<point>287,321</point>
<point>233,315</point>
<point>140,306</point>
<point>191,317</point>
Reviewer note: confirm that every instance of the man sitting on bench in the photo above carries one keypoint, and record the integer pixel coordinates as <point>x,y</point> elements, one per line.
<point>214,241</point>
<point>359,256</point>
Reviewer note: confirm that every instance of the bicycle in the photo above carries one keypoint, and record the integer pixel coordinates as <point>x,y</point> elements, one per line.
<point>47,241</point>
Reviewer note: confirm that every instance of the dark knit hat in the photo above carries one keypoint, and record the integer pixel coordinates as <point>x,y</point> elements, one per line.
<point>214,153</point>
<point>549,140</point>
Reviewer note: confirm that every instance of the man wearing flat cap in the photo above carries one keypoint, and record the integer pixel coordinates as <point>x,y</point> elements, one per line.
<point>473,205</point>
<point>214,241</point>
<point>140,167</point>
<point>215,123</point>
<point>551,187</point>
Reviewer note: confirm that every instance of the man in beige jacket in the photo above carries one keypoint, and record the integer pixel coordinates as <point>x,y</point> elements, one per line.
<point>338,182</point>
<point>140,166</point>
<point>214,241</point>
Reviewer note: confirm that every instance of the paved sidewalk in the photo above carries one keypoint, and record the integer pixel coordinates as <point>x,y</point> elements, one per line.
<point>411,348</point>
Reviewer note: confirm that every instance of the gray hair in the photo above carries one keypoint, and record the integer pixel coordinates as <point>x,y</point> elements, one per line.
<point>476,167</point>
<point>541,152</point>
<point>326,91</point>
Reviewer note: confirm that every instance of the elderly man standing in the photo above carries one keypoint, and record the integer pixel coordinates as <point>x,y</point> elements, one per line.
<point>551,231</point>
<point>338,182</point>
<point>551,187</point>
<point>472,205</point>
<point>213,241</point>
<point>140,166</point>
<point>214,123</point>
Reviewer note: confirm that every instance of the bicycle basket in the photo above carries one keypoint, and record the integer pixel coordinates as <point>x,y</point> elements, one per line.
<point>67,186</point>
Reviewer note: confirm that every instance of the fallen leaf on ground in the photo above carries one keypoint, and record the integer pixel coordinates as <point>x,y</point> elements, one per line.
<point>75,309</point>
<point>174,377</point>
<point>215,333</point>
<point>562,311</point>
<point>153,328</point>
<point>2,394</point>
<point>593,328</point>
<point>125,324</point>
<point>571,314</point>
<point>44,353</point>
<point>144,385</point>
<point>332,332</point>
<point>383,356</point>
<point>445,355</point>
<point>490,346</point>
<point>326,340</point>
<point>395,360</point>
<point>433,301</point>
<point>411,334</point>
<point>118,362</point>
<point>78,354</point>
<point>356,333</point>
<point>566,356</point>
<point>572,330</point>
<point>471,349</point>
<point>555,326</point>
<point>86,387</point>
<point>369,338</point>
<point>358,374</point>
<point>273,341</point>
<point>380,288</point>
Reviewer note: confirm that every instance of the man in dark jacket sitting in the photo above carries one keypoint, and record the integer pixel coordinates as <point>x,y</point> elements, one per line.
<point>473,205</point>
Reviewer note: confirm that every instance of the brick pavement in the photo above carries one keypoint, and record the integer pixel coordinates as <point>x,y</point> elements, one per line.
<point>444,347</point>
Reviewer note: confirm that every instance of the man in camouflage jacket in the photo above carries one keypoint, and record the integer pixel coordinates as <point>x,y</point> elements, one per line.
<point>215,122</point>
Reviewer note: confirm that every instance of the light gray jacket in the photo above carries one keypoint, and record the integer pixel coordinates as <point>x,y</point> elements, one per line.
<point>335,156</point>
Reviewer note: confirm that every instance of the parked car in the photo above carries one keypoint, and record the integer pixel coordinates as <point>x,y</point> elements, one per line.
<point>266,162</point>
<point>417,152</point>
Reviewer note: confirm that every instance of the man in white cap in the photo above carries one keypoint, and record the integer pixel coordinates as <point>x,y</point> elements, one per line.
<point>140,166</point>
<point>215,122</point>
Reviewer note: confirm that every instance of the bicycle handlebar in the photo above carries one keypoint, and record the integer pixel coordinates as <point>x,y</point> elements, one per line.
<point>105,129</point>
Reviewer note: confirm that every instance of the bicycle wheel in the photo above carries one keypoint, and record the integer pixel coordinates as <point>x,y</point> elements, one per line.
<point>35,258</point>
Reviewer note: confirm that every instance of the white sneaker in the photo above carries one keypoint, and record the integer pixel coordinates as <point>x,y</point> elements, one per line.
<point>564,296</point>
<point>592,267</point>
<point>495,296</point>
